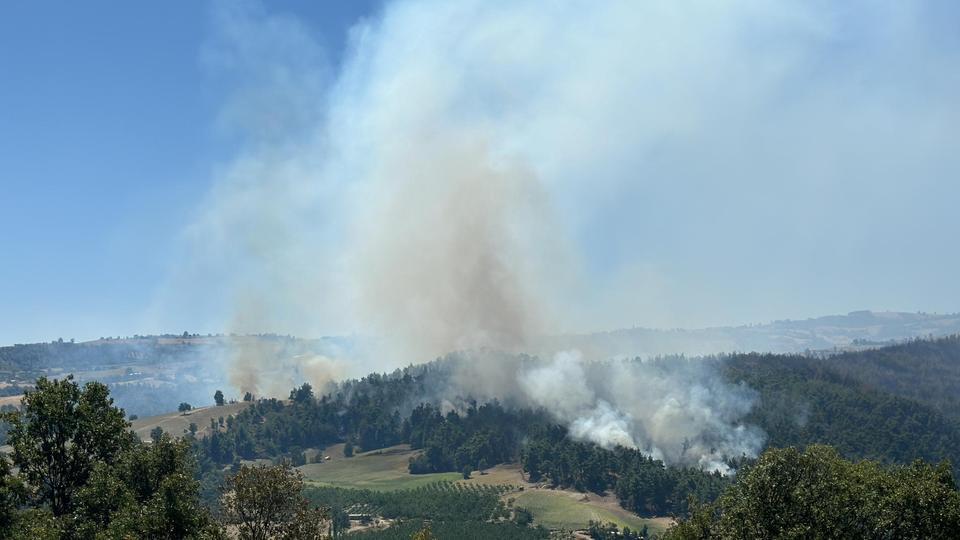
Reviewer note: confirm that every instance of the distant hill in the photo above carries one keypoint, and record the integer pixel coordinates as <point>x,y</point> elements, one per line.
<point>151,375</point>
<point>854,331</point>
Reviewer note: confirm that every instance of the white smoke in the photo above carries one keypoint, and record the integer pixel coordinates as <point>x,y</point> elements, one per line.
<point>443,189</point>
<point>678,410</point>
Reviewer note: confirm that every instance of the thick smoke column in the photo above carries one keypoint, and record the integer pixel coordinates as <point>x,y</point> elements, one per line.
<point>443,188</point>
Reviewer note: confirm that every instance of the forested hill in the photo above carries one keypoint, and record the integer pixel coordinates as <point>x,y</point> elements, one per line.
<point>893,403</point>
<point>805,400</point>
<point>847,401</point>
<point>927,371</point>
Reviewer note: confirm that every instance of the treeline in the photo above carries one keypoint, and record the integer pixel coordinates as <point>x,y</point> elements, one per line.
<point>272,428</point>
<point>368,417</point>
<point>480,437</point>
<point>373,412</point>
<point>642,484</point>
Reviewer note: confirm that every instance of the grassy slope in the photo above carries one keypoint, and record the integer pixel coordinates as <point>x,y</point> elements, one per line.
<point>383,470</point>
<point>559,509</point>
<point>177,423</point>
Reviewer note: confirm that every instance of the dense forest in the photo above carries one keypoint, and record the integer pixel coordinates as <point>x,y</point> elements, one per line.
<point>805,400</point>
<point>923,370</point>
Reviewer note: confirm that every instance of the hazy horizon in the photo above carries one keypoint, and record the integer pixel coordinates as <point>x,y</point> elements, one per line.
<point>747,325</point>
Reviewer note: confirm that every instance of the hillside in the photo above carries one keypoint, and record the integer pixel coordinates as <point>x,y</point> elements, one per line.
<point>178,424</point>
<point>927,371</point>
<point>152,375</point>
<point>805,400</point>
<point>171,361</point>
<point>386,469</point>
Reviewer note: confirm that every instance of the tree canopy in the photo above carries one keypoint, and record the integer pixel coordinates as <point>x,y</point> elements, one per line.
<point>60,434</point>
<point>266,502</point>
<point>817,494</point>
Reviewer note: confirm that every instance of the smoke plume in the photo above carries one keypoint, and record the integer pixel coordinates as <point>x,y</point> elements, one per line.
<point>452,184</point>
<point>677,409</point>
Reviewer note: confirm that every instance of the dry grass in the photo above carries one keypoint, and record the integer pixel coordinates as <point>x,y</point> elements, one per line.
<point>11,400</point>
<point>561,509</point>
<point>176,424</point>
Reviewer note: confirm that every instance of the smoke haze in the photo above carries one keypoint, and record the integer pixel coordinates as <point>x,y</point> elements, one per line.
<point>458,184</point>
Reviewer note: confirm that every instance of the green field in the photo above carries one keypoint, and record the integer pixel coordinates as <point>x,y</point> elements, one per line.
<point>384,470</point>
<point>562,510</point>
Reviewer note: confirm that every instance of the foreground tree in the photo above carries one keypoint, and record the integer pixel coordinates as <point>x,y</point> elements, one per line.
<point>61,433</point>
<point>87,476</point>
<point>12,494</point>
<point>266,502</point>
<point>150,493</point>
<point>818,494</point>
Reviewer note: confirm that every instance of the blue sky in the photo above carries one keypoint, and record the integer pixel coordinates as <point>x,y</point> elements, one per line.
<point>713,166</point>
<point>107,140</point>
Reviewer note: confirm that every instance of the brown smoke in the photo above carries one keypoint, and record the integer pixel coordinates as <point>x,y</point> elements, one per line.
<point>442,261</point>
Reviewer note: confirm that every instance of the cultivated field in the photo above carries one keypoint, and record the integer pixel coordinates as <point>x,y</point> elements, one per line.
<point>383,470</point>
<point>386,470</point>
<point>561,509</point>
